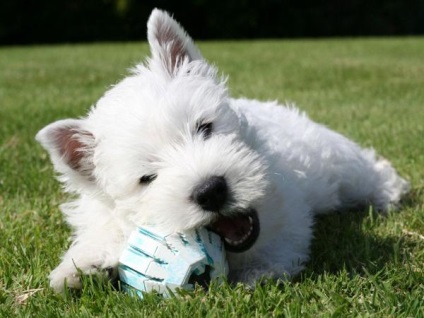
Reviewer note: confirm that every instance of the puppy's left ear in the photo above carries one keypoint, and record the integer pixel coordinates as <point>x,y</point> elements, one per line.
<point>168,41</point>
<point>70,146</point>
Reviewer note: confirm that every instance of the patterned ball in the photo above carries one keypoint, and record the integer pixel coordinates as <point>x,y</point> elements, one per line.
<point>158,261</point>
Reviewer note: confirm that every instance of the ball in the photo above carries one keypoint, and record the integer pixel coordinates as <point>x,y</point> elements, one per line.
<point>163,262</point>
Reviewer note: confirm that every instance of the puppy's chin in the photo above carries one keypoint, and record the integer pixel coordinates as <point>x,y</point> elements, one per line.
<point>239,231</point>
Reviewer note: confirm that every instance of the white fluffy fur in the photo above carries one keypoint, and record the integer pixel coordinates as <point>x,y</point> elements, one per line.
<point>274,158</point>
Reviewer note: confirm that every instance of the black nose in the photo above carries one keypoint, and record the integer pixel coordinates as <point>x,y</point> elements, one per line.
<point>211,194</point>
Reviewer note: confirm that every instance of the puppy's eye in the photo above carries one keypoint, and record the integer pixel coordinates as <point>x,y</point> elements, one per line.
<point>147,178</point>
<point>205,129</point>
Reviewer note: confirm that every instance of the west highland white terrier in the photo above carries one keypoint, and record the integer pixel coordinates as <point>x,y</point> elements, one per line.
<point>167,146</point>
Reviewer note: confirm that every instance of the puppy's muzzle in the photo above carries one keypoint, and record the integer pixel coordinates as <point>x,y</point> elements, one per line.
<point>241,229</point>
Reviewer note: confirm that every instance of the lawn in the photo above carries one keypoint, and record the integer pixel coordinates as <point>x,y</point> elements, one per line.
<point>371,90</point>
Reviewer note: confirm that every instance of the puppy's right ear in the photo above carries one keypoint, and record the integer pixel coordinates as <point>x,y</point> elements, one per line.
<point>169,42</point>
<point>70,147</point>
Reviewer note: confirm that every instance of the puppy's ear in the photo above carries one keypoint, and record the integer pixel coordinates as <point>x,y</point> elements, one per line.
<point>70,147</point>
<point>169,43</point>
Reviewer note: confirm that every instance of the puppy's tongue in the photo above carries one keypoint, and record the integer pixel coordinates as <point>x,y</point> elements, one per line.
<point>238,232</point>
<point>232,229</point>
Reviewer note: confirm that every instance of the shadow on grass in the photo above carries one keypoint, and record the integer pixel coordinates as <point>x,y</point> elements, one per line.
<point>348,241</point>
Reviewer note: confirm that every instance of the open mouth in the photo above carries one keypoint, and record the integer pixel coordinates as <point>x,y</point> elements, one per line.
<point>239,232</point>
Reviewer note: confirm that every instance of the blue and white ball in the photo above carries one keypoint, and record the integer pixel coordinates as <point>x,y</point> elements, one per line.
<point>162,262</point>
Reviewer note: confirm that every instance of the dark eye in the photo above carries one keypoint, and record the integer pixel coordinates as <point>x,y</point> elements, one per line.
<point>205,129</point>
<point>147,178</point>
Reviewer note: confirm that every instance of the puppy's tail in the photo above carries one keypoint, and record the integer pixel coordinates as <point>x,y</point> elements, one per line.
<point>389,186</point>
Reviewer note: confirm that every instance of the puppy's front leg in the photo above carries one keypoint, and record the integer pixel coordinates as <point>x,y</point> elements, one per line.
<point>94,252</point>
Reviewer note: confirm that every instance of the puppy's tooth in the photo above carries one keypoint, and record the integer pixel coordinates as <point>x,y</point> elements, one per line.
<point>229,241</point>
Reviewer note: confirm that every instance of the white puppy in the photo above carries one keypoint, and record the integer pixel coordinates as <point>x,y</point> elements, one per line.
<point>167,146</point>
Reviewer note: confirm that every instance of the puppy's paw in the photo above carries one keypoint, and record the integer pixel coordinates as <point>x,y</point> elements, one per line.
<point>253,276</point>
<point>68,275</point>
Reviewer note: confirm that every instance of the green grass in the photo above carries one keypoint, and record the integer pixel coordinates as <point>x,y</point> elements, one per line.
<point>372,90</point>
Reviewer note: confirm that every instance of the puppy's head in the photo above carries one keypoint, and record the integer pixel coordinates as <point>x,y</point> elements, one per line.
<point>164,147</point>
